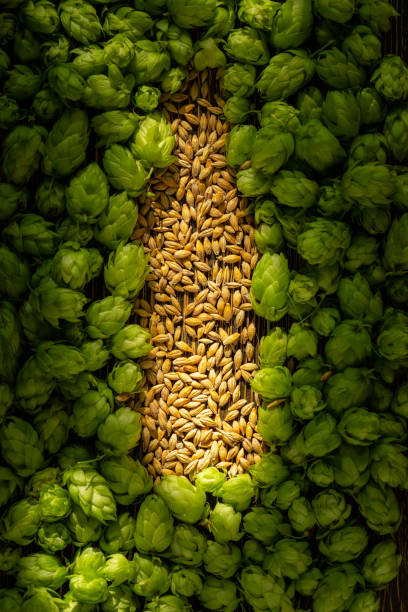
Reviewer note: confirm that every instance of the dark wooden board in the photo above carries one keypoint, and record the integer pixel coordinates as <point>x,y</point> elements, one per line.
<point>395,598</point>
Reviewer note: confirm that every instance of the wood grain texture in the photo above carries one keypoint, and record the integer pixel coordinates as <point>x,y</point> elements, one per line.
<point>395,598</point>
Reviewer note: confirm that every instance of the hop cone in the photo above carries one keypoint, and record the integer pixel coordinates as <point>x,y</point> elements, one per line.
<point>65,147</point>
<point>80,20</point>
<point>89,490</point>
<point>270,283</point>
<point>292,25</point>
<point>126,270</point>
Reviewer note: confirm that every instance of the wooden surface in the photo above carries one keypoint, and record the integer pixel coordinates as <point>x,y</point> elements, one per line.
<point>395,598</point>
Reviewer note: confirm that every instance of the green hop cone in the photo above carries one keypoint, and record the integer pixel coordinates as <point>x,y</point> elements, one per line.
<point>239,144</point>
<point>21,521</point>
<point>289,559</point>
<point>124,172</point>
<point>91,409</point>
<point>282,496</point>
<point>67,83</point>
<point>222,560</point>
<point>271,149</point>
<point>269,471</point>
<point>325,320</point>
<point>150,578</point>
<point>292,24</point>
<point>154,526</point>
<point>22,84</point>
<point>275,424</point>
<point>337,71</point>
<point>55,50</point>
<point>253,551</point>
<point>32,235</point>
<point>392,341</point>
<point>377,14</point>
<point>348,389</point>
<point>370,184</point>
<point>119,50</point>
<point>53,537</point>
<point>191,13</point>
<point>14,274</point>
<point>127,478</point>
<point>114,126</point>
<point>323,241</point>
<point>84,529</point>
<point>395,130</point>
<point>236,109</point>
<point>118,535</point>
<point>87,195</point>
<point>302,342</point>
<point>258,14</point>
<point>90,491</point>
<point>117,570</point>
<point>368,148</point>
<point>107,316</point>
<point>238,492</point>
<point>108,91</point>
<point>309,103</point>
<point>153,142</point>
<point>247,45</point>
<point>379,507</point>
<point>120,432</point>
<point>12,199</point>
<point>131,342</point>
<point>150,61</point>
<point>308,582</point>
<point>147,98</point>
<point>65,147</point>
<point>54,303</point>
<point>55,503</point>
<point>118,279</point>
<point>173,79</point>
<point>22,150</point>
<point>88,61</point>
<point>331,509</point>
<point>47,105</point>
<point>366,601</point>
<point>390,79</point>
<point>62,361</point>
<point>251,182</point>
<point>125,377</point>
<point>344,544</point>
<point>272,383</point>
<point>50,198</point>
<point>362,46</point>
<point>219,594</point>
<point>280,115</point>
<point>261,590</point>
<point>389,465</point>
<point>9,557</point>
<point>318,146</point>
<point>372,106</point>
<point>10,342</point>
<point>21,447</point>
<point>10,599</point>
<point>341,114</point>
<point>382,564</point>
<point>305,402</point>
<point>339,11</point>
<point>74,266</point>
<point>10,483</point>
<point>270,283</point>
<point>285,74</point>
<point>187,547</point>
<point>363,251</point>
<point>263,525</point>
<point>224,523</point>
<point>10,112</point>
<point>130,22</point>
<point>210,479</point>
<point>185,582</point>
<point>40,569</point>
<point>349,344</point>
<point>321,473</point>
<point>336,589</point>
<point>357,301</point>
<point>80,21</point>
<point>70,455</point>
<point>395,248</point>
<point>239,79</point>
<point>186,502</point>
<point>273,348</point>
<point>207,55</point>
<point>40,16</point>
<point>87,584</point>
<point>26,47</point>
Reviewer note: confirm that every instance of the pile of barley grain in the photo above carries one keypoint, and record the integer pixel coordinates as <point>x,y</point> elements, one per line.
<point>197,405</point>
